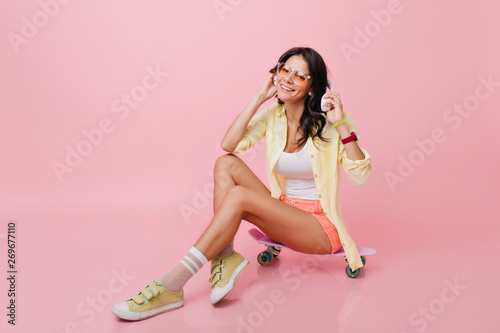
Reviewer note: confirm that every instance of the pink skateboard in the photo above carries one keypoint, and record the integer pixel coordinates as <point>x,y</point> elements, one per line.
<point>273,249</point>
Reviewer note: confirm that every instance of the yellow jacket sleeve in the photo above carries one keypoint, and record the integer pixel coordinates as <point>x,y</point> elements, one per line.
<point>357,171</point>
<point>255,131</point>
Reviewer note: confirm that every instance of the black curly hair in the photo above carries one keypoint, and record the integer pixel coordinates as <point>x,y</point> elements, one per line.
<point>312,120</point>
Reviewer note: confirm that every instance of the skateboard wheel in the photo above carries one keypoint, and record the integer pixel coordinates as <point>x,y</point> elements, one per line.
<point>274,250</point>
<point>264,258</point>
<point>352,274</point>
<point>363,260</point>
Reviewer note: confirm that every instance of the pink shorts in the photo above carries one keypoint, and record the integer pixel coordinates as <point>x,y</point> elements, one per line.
<point>314,208</point>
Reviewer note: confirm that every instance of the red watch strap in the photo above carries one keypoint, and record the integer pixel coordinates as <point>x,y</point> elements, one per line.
<point>350,138</point>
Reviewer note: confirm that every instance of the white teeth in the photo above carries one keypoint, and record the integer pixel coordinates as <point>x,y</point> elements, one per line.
<point>285,88</point>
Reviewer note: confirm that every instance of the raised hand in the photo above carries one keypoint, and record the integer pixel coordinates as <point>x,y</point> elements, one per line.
<point>268,89</point>
<point>336,114</point>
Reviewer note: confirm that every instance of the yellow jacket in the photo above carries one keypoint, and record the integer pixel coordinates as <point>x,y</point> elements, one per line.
<point>272,123</point>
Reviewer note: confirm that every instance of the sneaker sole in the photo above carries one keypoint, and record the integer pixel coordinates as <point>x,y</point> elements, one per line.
<point>146,314</point>
<point>220,293</point>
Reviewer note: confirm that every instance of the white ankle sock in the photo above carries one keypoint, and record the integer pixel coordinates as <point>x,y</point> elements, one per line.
<point>183,271</point>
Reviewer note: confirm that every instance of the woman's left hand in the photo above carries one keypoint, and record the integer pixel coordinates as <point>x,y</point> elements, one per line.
<point>336,114</point>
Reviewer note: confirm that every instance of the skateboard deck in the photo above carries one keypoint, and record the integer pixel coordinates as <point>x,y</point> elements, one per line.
<point>264,258</point>
<point>260,238</point>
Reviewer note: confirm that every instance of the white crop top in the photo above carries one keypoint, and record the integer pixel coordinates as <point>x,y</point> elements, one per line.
<point>297,170</point>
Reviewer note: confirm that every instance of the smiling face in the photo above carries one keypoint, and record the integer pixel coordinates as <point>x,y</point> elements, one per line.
<point>288,91</point>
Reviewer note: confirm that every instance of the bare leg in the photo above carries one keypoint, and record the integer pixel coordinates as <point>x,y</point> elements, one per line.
<point>239,194</point>
<point>283,223</point>
<point>229,171</point>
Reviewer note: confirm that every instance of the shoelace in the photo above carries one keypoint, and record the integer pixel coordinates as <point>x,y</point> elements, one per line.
<point>147,293</point>
<point>216,272</point>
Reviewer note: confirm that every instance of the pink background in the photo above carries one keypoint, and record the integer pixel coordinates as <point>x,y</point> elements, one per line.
<point>119,210</point>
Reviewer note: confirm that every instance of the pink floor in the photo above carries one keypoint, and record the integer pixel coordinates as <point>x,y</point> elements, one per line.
<point>78,264</point>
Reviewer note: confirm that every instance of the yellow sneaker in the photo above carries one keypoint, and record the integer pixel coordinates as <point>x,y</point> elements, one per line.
<point>224,272</point>
<point>150,301</point>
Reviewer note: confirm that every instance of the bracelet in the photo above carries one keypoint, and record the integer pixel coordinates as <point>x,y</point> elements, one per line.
<point>340,122</point>
<point>350,138</point>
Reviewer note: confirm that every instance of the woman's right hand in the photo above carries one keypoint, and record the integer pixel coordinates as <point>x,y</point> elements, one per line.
<point>268,88</point>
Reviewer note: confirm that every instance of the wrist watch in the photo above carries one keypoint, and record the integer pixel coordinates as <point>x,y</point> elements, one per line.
<point>350,138</point>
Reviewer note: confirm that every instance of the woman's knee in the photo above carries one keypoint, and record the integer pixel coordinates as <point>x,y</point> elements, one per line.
<point>238,196</point>
<point>227,165</point>
<point>226,162</point>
